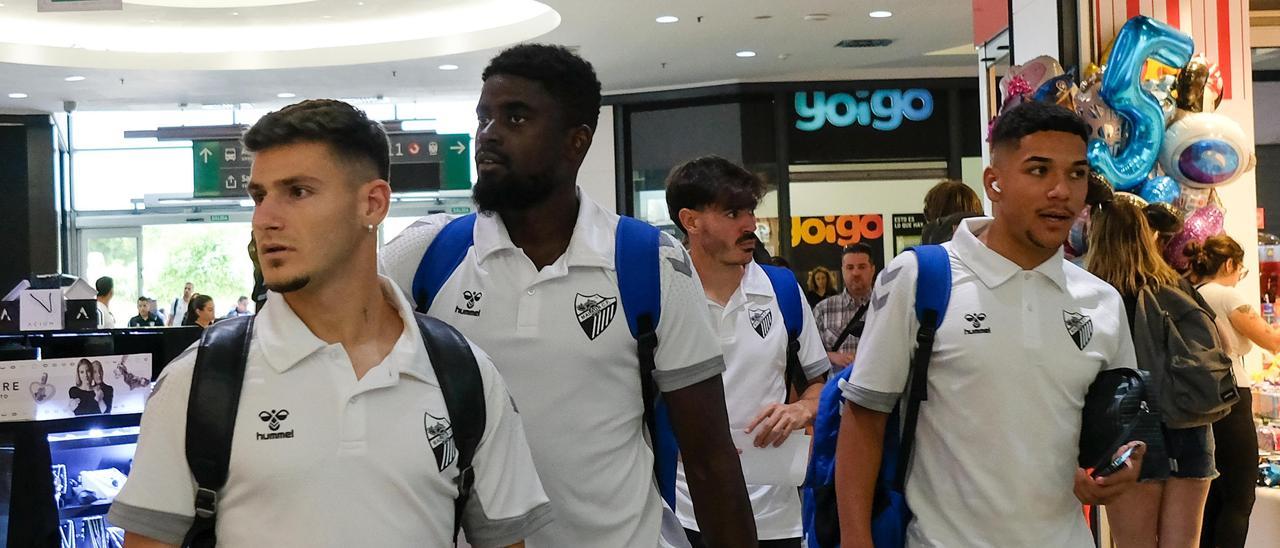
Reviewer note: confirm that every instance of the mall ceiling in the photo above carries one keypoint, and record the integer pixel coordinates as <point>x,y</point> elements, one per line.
<point>158,54</point>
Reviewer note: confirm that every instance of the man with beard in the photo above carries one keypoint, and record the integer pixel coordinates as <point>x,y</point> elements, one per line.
<point>713,201</point>
<point>343,437</point>
<point>539,288</point>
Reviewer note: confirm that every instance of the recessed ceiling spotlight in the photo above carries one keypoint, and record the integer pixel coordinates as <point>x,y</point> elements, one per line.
<point>817,17</point>
<point>235,13</point>
<point>746,53</point>
<point>880,14</point>
<point>74,78</point>
<point>17,96</point>
<point>667,19</point>
<point>448,67</point>
<point>286,95</point>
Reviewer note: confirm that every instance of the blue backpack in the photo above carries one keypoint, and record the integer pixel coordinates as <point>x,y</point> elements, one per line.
<point>640,290</point>
<point>890,514</point>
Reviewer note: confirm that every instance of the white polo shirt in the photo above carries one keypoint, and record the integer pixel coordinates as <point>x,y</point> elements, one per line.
<point>561,341</point>
<point>754,340</point>
<point>997,439</point>
<point>322,459</point>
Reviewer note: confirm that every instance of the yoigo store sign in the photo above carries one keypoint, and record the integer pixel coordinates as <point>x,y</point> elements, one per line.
<point>882,109</point>
<point>876,124</point>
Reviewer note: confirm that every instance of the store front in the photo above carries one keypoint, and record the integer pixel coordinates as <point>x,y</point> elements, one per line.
<point>844,162</point>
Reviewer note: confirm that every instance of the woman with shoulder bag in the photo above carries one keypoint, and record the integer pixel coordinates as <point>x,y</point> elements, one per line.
<point>1216,267</point>
<point>1164,509</point>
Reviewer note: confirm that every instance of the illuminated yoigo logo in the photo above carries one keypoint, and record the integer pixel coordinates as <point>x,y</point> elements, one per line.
<point>882,109</point>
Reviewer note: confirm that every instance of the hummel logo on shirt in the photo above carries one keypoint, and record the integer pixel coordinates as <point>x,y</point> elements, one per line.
<point>273,418</point>
<point>975,319</point>
<point>471,297</point>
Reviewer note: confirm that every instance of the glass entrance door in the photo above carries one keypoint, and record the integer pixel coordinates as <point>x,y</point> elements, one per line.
<point>114,252</point>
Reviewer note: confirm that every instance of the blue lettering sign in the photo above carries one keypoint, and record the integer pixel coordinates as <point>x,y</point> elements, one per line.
<point>882,109</point>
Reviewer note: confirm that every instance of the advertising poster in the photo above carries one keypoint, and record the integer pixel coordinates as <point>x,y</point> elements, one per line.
<point>69,387</point>
<point>907,231</point>
<point>816,243</point>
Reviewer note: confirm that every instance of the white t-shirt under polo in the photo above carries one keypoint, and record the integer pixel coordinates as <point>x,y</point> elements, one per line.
<point>997,440</point>
<point>322,459</point>
<point>561,342</point>
<point>754,340</point>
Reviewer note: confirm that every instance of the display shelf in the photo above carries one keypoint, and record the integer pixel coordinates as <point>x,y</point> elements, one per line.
<point>98,508</point>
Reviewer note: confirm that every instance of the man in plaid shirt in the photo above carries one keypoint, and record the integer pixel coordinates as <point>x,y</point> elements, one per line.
<point>834,313</point>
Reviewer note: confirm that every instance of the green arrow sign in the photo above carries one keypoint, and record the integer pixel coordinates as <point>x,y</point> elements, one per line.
<point>221,168</point>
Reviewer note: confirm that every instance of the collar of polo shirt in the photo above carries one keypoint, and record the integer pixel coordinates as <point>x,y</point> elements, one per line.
<point>285,341</point>
<point>591,244</point>
<point>991,267</point>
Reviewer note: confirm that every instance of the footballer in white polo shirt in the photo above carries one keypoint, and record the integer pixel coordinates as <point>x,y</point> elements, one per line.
<point>342,437</point>
<point>1025,334</point>
<point>713,201</point>
<point>543,254</point>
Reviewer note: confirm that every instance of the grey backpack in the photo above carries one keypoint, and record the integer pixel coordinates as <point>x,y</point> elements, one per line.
<point>1177,341</point>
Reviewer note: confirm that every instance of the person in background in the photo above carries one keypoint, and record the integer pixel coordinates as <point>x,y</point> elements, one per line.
<point>181,304</point>
<point>819,285</point>
<point>840,315</point>
<point>712,200</point>
<point>89,400</point>
<point>1217,266</point>
<point>106,290</point>
<point>1164,509</point>
<point>200,311</point>
<point>159,312</point>
<point>103,392</point>
<point>145,317</point>
<point>241,309</point>
<point>945,205</point>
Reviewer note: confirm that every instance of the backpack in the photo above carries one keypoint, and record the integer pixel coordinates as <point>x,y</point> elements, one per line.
<point>640,292</point>
<point>1117,410</point>
<point>890,515</point>
<point>215,397</point>
<point>1176,338</point>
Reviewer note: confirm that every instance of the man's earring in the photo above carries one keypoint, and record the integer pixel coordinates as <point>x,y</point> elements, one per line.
<point>369,228</point>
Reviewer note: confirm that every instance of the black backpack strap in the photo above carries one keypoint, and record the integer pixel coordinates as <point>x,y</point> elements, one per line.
<point>918,392</point>
<point>211,418</point>
<point>851,327</point>
<point>459,376</point>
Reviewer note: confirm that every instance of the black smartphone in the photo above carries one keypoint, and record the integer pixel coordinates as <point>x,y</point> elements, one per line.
<point>1115,465</point>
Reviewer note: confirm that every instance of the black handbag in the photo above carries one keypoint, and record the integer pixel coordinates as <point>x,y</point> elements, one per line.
<point>1118,409</point>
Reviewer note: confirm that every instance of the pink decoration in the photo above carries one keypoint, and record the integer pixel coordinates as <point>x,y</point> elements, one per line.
<point>1205,222</point>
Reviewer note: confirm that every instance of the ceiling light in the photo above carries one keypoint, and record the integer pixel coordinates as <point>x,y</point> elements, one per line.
<point>667,19</point>
<point>74,78</point>
<point>448,67</point>
<point>746,53</point>
<point>17,96</point>
<point>817,17</point>
<point>880,14</point>
<point>286,95</point>
<point>235,13</point>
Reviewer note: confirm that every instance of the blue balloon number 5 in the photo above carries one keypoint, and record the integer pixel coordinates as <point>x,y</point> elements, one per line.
<point>1141,38</point>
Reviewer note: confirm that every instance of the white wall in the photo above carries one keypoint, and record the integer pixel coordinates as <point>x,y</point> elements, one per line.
<point>1035,29</point>
<point>598,175</point>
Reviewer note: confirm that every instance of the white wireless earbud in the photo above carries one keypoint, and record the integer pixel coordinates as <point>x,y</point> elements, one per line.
<point>995,185</point>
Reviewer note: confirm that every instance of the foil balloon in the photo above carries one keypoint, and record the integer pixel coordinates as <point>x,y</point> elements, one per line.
<point>1191,199</point>
<point>1164,218</point>
<point>1160,190</point>
<point>1060,90</point>
<point>1205,150</point>
<point>1100,191</point>
<point>1162,89</point>
<point>1104,124</point>
<point>1140,39</point>
<point>1199,85</point>
<point>1205,222</point>
<point>1023,81</point>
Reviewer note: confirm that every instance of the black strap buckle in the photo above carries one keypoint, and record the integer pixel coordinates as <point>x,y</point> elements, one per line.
<point>206,502</point>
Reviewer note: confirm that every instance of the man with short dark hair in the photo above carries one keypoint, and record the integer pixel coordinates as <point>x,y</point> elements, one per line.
<point>343,436</point>
<point>106,290</point>
<point>713,201</point>
<point>146,317</point>
<point>180,304</point>
<point>241,309</point>
<point>539,287</point>
<point>840,316</point>
<point>1024,335</point>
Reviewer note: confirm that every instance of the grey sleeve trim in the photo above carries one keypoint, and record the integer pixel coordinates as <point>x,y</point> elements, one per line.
<point>483,532</point>
<point>817,368</point>
<point>162,526</point>
<point>870,399</point>
<point>670,380</point>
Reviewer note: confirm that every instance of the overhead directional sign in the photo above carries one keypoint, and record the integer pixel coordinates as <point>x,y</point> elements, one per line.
<point>221,168</point>
<point>421,161</point>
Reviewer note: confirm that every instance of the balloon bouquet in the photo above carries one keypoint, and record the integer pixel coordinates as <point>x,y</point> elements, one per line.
<point>1155,136</point>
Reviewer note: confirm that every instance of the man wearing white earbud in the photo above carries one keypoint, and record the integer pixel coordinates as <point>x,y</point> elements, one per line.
<point>1024,335</point>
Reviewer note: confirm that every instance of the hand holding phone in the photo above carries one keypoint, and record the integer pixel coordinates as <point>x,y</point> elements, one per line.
<point>1115,465</point>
